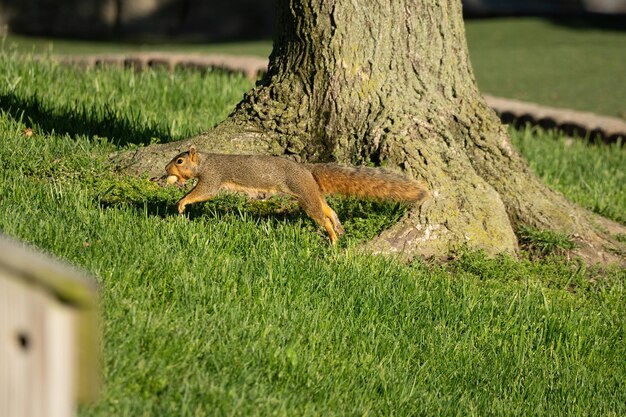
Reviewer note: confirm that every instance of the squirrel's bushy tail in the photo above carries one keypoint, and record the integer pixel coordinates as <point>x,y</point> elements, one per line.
<point>366,182</point>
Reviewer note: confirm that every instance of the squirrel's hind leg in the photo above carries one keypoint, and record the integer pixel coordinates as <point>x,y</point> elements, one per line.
<point>318,210</point>
<point>304,187</point>
<point>330,214</point>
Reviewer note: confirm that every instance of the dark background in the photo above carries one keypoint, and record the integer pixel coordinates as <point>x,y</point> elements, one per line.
<point>218,20</point>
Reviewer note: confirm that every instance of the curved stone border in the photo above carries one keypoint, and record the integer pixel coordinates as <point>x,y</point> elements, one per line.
<point>572,122</point>
<point>250,66</point>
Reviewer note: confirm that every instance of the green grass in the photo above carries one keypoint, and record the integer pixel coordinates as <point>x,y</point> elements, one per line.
<point>244,309</point>
<point>566,63</point>
<point>544,242</point>
<point>572,62</point>
<point>77,104</point>
<point>37,45</point>
<point>589,174</point>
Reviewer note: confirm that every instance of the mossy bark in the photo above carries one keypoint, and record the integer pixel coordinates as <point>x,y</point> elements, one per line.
<point>390,83</point>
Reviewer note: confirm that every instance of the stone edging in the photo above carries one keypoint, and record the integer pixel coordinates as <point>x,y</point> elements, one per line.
<point>250,66</point>
<point>572,122</point>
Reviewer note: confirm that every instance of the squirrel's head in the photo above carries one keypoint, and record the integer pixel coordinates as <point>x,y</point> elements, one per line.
<point>183,166</point>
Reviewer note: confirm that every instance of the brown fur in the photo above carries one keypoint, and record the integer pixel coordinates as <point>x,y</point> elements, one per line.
<point>306,182</point>
<point>366,182</point>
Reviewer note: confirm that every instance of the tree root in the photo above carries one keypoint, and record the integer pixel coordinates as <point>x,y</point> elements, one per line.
<point>231,136</point>
<point>477,200</point>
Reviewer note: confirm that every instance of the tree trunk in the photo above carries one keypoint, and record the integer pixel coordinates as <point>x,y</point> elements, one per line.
<point>390,83</point>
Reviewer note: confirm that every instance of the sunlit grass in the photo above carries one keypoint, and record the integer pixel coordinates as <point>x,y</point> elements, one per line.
<point>243,308</point>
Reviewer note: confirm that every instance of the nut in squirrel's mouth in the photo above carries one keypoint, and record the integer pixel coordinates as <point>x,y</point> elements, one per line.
<point>171,179</point>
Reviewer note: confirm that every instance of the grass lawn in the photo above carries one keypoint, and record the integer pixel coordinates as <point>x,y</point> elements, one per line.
<point>568,63</point>
<point>38,45</point>
<point>244,309</point>
<point>571,63</point>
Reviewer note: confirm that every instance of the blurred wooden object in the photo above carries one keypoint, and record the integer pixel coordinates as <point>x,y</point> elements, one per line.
<point>49,335</point>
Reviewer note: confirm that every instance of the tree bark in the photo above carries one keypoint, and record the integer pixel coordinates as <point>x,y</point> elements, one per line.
<point>390,83</point>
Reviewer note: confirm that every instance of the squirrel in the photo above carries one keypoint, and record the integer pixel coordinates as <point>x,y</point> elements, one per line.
<point>308,183</point>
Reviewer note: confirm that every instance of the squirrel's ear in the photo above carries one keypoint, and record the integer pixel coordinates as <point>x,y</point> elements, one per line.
<point>193,154</point>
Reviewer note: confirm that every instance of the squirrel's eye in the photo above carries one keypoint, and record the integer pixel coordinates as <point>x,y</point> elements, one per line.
<point>179,161</point>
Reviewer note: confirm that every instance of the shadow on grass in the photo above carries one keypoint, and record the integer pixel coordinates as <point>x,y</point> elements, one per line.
<point>79,121</point>
<point>592,21</point>
<point>363,219</point>
<point>152,208</point>
<point>221,206</point>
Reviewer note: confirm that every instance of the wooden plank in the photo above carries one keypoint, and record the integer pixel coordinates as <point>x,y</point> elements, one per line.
<point>49,335</point>
<point>16,340</point>
<point>36,353</point>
